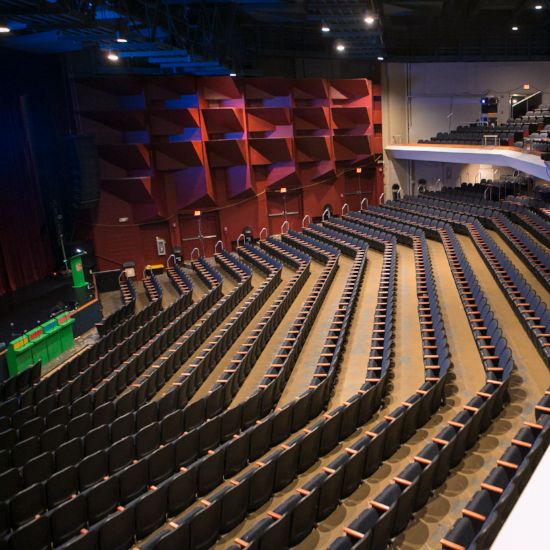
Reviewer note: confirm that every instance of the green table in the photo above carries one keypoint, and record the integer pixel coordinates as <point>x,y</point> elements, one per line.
<point>43,343</point>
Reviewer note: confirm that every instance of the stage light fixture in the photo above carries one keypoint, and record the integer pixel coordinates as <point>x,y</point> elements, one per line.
<point>369,20</point>
<point>340,47</point>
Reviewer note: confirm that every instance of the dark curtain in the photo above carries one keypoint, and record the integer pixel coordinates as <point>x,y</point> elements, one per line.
<point>25,248</point>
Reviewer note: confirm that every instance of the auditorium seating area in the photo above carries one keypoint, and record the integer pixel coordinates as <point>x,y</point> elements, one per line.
<point>309,389</point>
<point>531,130</point>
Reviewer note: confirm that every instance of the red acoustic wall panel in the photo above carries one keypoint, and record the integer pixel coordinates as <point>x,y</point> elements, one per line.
<point>171,146</point>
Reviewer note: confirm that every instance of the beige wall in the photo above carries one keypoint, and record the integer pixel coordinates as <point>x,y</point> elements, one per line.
<point>418,98</point>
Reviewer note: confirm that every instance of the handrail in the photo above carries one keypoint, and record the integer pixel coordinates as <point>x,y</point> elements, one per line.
<point>261,233</point>
<point>363,201</point>
<point>380,198</point>
<point>216,246</point>
<point>116,262</point>
<point>327,212</point>
<point>198,253</point>
<point>171,257</point>
<point>239,238</point>
<point>286,222</point>
<point>344,206</point>
<point>306,217</point>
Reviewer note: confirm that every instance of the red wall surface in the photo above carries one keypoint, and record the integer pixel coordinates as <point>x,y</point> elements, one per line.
<point>169,146</point>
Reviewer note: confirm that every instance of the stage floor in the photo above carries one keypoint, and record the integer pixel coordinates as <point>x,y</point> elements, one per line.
<point>32,305</point>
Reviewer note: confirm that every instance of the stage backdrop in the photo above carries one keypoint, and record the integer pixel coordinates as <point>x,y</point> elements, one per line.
<point>25,251</point>
<point>169,146</point>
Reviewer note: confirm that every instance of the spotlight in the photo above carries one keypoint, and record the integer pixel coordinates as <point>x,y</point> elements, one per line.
<point>325,28</point>
<point>340,47</point>
<point>112,56</point>
<point>380,58</point>
<point>515,28</point>
<point>4,29</point>
<point>369,20</point>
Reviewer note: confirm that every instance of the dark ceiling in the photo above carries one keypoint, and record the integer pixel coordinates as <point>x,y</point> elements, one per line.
<point>259,37</point>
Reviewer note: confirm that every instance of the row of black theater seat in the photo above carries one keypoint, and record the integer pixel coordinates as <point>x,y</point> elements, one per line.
<point>24,384</point>
<point>182,445</point>
<point>91,469</point>
<point>495,352</point>
<point>180,281</point>
<point>93,428</point>
<point>152,287</point>
<point>537,225</point>
<point>98,384</point>
<point>535,257</point>
<point>81,362</point>
<point>529,308</point>
<point>148,435</point>
<point>199,527</point>
<point>289,523</point>
<point>391,510</point>
<point>104,377</point>
<point>485,513</point>
<point>196,373</point>
<point>113,320</point>
<point>156,375</point>
<point>531,219</point>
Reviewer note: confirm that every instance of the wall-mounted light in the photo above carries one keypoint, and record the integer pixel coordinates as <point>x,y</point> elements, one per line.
<point>282,190</point>
<point>122,220</point>
<point>197,213</point>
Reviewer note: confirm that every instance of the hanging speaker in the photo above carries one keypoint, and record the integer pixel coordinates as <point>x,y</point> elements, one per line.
<point>84,170</point>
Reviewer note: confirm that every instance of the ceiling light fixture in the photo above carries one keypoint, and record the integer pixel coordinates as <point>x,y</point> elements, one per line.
<point>369,20</point>
<point>515,28</point>
<point>122,40</point>
<point>325,28</point>
<point>4,29</point>
<point>380,58</point>
<point>538,7</point>
<point>232,74</point>
<point>340,47</point>
<point>112,56</point>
